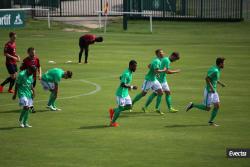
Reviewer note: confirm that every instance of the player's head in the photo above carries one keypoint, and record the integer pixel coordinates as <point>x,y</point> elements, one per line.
<point>220,62</point>
<point>99,39</point>
<point>159,53</point>
<point>31,52</point>
<point>12,36</point>
<point>174,56</point>
<point>67,74</point>
<point>132,65</point>
<point>31,70</point>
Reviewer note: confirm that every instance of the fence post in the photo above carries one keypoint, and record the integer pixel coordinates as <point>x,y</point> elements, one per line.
<point>125,17</point>
<point>241,10</point>
<point>183,7</point>
<point>201,9</point>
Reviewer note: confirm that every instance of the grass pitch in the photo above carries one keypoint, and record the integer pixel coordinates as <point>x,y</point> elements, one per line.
<point>78,135</point>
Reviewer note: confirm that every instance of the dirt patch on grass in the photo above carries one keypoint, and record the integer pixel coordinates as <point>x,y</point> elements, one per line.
<point>74,30</point>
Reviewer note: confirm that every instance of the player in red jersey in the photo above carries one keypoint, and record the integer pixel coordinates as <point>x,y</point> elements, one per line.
<point>84,43</point>
<point>11,59</point>
<point>32,61</point>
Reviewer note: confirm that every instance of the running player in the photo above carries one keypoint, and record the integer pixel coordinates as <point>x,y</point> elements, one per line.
<point>11,59</point>
<point>26,94</point>
<point>50,81</point>
<point>151,82</point>
<point>211,95</point>
<point>122,97</point>
<point>84,43</point>
<point>32,60</point>
<point>162,78</point>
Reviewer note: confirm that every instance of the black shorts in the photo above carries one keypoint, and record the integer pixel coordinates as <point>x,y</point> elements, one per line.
<point>82,43</point>
<point>12,68</point>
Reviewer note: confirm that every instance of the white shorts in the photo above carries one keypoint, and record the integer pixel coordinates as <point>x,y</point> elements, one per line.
<point>48,85</point>
<point>154,85</point>
<point>123,101</point>
<point>165,86</point>
<point>210,98</point>
<point>25,102</point>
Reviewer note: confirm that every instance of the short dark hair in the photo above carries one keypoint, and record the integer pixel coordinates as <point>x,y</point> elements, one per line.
<point>157,51</point>
<point>99,39</point>
<point>132,62</point>
<point>69,74</point>
<point>30,49</point>
<point>219,60</point>
<point>176,55</point>
<point>11,34</point>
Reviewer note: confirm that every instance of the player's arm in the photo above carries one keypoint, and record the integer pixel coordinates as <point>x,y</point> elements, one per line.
<point>128,86</point>
<point>157,70</point>
<point>12,57</point>
<point>40,73</point>
<point>124,85</point>
<point>208,80</point>
<point>221,84</point>
<point>172,71</point>
<point>33,91</point>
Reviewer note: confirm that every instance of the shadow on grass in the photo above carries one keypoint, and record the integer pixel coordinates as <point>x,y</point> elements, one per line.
<point>19,111</point>
<point>184,126</point>
<point>9,128</point>
<point>94,127</point>
<point>134,114</point>
<point>11,111</point>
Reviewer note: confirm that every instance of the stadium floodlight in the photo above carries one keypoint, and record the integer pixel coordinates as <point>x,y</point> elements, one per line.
<point>30,9</point>
<point>147,14</point>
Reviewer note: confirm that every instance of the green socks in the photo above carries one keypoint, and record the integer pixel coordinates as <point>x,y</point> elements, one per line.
<point>24,116</point>
<point>200,106</point>
<point>168,101</point>
<point>150,99</point>
<point>213,114</point>
<point>52,99</point>
<point>158,102</point>
<point>137,98</point>
<point>118,111</point>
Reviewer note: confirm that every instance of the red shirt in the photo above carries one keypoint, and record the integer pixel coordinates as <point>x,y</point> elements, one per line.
<point>28,62</point>
<point>89,38</point>
<point>10,48</point>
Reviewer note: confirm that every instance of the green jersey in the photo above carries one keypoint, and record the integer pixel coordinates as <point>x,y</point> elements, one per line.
<point>214,75</point>
<point>24,83</point>
<point>165,63</point>
<point>155,64</point>
<point>53,75</point>
<point>125,78</point>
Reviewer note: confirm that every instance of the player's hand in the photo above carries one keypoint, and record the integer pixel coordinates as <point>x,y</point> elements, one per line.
<point>134,87</point>
<point>178,70</point>
<point>14,97</point>
<point>212,91</point>
<point>18,58</point>
<point>223,85</point>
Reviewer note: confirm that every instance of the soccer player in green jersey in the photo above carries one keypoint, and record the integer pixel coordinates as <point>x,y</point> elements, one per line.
<point>26,93</point>
<point>162,78</point>
<point>151,82</point>
<point>123,99</point>
<point>50,81</point>
<point>210,93</point>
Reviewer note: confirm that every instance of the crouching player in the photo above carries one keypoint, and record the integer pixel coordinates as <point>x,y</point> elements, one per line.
<point>123,99</point>
<point>26,93</point>
<point>50,81</point>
